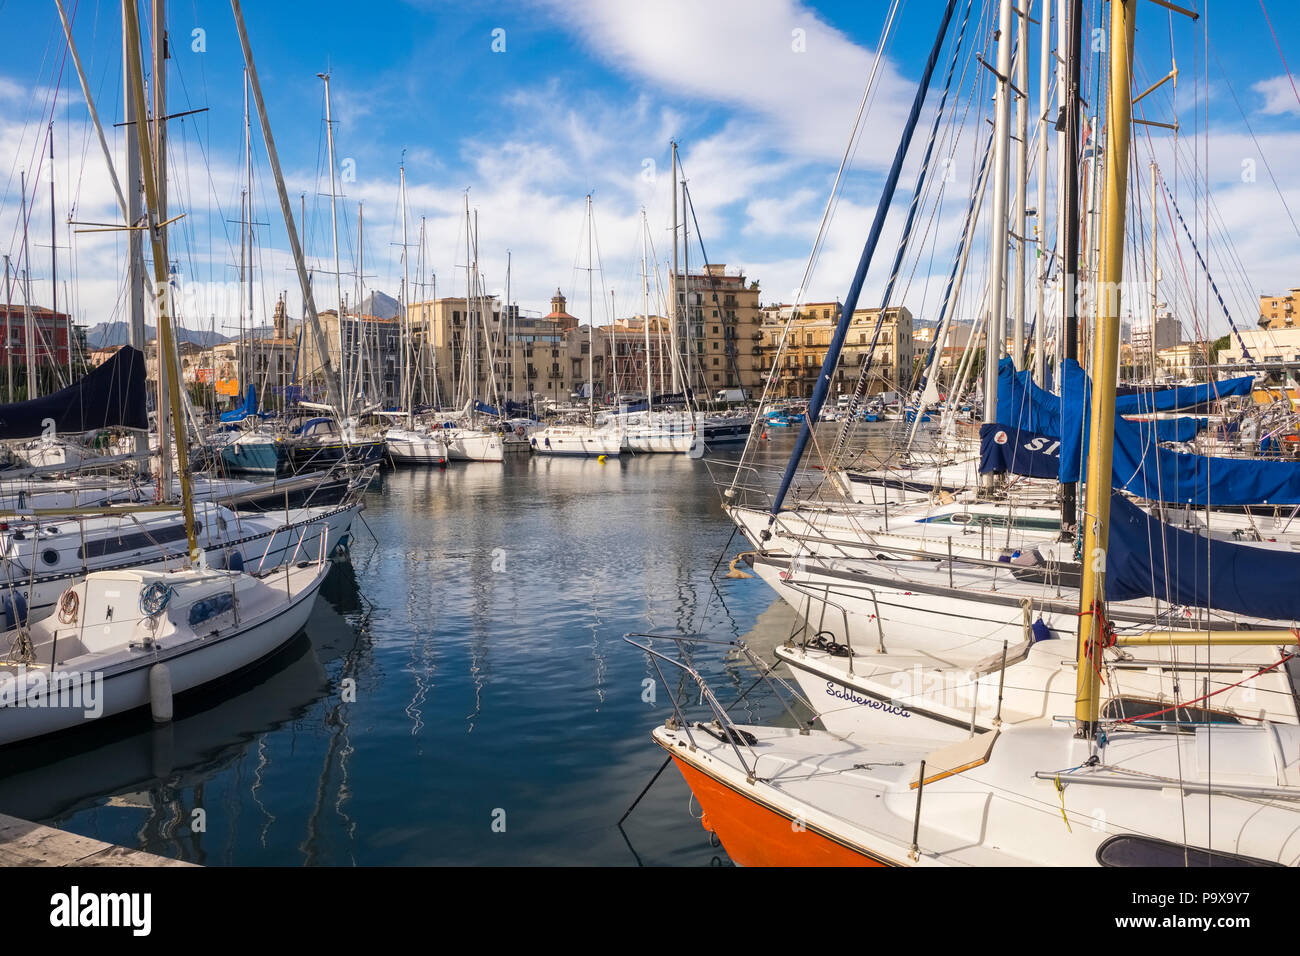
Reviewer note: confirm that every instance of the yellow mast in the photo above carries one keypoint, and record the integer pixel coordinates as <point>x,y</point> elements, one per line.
<point>161,285</point>
<point>1105,356</point>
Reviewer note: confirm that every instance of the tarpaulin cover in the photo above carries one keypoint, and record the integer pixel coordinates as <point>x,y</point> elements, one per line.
<point>1004,449</point>
<point>111,395</point>
<point>248,408</point>
<point>1148,558</point>
<point>1179,429</point>
<point>1143,468</point>
<point>1182,397</point>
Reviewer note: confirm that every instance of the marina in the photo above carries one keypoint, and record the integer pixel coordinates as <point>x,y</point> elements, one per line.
<point>871,440</point>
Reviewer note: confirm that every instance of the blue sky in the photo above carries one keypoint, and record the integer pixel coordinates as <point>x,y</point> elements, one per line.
<point>585,96</point>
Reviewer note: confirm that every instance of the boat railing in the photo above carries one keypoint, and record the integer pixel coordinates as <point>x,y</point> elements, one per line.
<point>733,735</point>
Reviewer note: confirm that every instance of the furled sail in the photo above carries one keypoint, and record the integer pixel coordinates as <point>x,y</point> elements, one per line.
<point>111,395</point>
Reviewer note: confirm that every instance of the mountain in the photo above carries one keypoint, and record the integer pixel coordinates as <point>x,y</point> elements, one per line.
<point>107,334</point>
<point>381,306</point>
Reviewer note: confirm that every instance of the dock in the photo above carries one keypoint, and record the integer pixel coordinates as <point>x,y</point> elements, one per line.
<point>23,843</point>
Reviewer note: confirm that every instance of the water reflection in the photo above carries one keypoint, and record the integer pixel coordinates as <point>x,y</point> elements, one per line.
<point>159,772</point>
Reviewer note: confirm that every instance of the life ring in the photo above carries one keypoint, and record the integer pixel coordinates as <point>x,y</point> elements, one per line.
<point>521,431</point>
<point>69,604</point>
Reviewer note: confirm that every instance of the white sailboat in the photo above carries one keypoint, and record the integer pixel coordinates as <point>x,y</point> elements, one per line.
<point>125,639</point>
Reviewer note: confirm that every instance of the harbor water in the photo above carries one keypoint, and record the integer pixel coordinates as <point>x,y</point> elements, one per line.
<point>462,693</point>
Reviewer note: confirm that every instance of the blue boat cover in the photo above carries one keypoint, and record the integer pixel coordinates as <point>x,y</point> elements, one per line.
<point>1004,449</point>
<point>244,411</point>
<point>111,395</point>
<point>1179,429</point>
<point>1182,397</point>
<point>1148,558</point>
<point>1140,465</point>
<point>1144,468</point>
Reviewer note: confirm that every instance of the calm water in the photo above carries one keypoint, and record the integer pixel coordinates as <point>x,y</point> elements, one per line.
<point>482,628</point>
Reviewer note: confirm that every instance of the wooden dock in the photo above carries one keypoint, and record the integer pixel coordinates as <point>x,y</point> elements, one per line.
<point>30,844</point>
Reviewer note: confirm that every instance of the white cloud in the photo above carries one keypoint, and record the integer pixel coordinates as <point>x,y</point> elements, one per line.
<point>1279,96</point>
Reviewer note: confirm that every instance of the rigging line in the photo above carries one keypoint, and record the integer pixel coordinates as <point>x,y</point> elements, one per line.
<point>1253,139</point>
<point>864,374</point>
<point>1205,268</point>
<point>864,263</point>
<point>1277,44</point>
<point>751,443</point>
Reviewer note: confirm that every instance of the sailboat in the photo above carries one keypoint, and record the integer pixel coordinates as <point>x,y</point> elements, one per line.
<point>1026,788</point>
<point>126,639</point>
<point>596,437</point>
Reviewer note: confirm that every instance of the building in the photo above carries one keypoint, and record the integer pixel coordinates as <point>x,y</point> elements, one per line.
<point>366,352</point>
<point>1146,340</point>
<point>720,331</point>
<point>50,339</point>
<point>1185,362</point>
<point>808,337</point>
<point>529,353</point>
<point>1267,346</point>
<point>1279,311</point>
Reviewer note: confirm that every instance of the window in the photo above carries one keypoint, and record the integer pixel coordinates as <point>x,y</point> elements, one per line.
<point>1147,851</point>
<point>135,542</point>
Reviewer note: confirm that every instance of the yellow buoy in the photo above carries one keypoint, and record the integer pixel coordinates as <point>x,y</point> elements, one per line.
<point>601,459</point>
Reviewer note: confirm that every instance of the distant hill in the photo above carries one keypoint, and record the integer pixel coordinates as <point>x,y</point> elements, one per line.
<point>381,306</point>
<point>107,334</point>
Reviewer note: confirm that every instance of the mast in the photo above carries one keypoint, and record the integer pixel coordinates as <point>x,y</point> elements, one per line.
<point>248,237</point>
<point>1069,226</point>
<point>645,320</point>
<point>158,35</point>
<point>404,327</point>
<point>1022,182</point>
<point>1044,103</point>
<point>9,338</point>
<point>686,298</point>
<point>54,273</point>
<point>673,318</point>
<point>295,241</point>
<point>995,331</point>
<point>29,332</point>
<point>334,228</point>
<point>1105,352</point>
<point>510,338</point>
<point>591,326</point>
<point>167,350</point>
<point>1155,269</point>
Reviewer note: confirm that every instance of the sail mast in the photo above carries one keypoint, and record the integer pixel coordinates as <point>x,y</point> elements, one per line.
<point>1105,356</point>
<point>1044,98</point>
<point>334,227</point>
<point>645,319</point>
<point>995,331</point>
<point>591,326</point>
<point>1069,226</point>
<point>166,346</point>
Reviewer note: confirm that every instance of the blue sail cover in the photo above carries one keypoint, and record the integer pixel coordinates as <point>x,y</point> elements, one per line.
<point>1023,404</point>
<point>1180,429</point>
<point>1143,468</point>
<point>1148,558</point>
<point>111,395</point>
<point>1019,452</point>
<point>1182,397</point>
<point>244,411</point>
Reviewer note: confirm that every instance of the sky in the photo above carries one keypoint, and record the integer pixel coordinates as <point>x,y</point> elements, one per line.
<point>523,108</point>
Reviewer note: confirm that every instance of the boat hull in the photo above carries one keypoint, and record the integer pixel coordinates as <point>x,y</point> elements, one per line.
<point>756,834</point>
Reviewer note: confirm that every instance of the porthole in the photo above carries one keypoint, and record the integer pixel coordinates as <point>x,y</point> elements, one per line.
<point>50,556</point>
